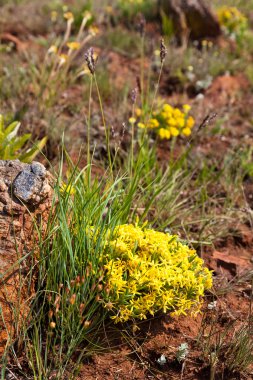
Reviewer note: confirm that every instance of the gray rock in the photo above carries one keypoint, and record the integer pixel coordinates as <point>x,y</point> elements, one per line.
<point>38,169</point>
<point>26,186</point>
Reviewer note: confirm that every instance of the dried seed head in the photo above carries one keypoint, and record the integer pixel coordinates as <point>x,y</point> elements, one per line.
<point>72,299</point>
<point>81,307</point>
<point>50,313</point>
<point>87,323</point>
<point>134,93</point>
<point>163,51</point>
<point>90,60</point>
<point>52,325</point>
<point>109,305</point>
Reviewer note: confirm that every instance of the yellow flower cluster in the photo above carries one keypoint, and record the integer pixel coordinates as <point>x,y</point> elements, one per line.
<point>150,271</point>
<point>232,19</point>
<point>169,121</point>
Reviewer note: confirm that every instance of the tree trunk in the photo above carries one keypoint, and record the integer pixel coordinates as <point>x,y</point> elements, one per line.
<point>191,18</point>
<point>25,202</point>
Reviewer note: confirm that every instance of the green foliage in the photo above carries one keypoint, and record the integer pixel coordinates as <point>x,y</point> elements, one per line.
<point>167,25</point>
<point>12,146</point>
<point>130,8</point>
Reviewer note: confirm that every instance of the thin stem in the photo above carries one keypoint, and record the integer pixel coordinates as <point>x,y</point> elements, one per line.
<point>107,135</point>
<point>132,144</point>
<point>89,122</point>
<point>156,90</point>
<point>142,70</point>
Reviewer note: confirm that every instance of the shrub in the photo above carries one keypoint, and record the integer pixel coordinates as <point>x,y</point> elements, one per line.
<point>233,22</point>
<point>167,121</point>
<point>13,147</point>
<point>150,271</point>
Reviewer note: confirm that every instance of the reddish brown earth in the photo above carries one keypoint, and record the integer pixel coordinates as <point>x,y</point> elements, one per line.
<point>136,357</point>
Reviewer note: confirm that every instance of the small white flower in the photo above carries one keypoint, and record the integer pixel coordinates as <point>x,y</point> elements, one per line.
<point>212,305</point>
<point>162,360</point>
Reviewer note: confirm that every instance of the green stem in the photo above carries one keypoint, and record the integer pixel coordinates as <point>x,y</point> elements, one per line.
<point>107,135</point>
<point>89,121</point>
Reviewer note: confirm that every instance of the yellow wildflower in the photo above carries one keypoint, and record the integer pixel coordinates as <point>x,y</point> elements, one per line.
<point>62,59</point>
<point>52,49</point>
<point>93,30</point>
<point>186,108</point>
<point>138,112</point>
<point>132,120</point>
<point>73,45</point>
<point>164,133</point>
<point>69,189</point>
<point>174,131</point>
<point>141,125</point>
<point>190,122</point>
<point>186,131</point>
<point>162,275</point>
<point>87,15</point>
<point>69,16</point>
<point>153,123</point>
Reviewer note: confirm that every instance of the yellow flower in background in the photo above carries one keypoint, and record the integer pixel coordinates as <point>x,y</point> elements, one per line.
<point>87,15</point>
<point>62,59</point>
<point>93,30</point>
<point>153,123</point>
<point>186,108</point>
<point>190,122</point>
<point>164,133</point>
<point>52,50</point>
<point>73,45</point>
<point>69,189</point>
<point>138,112</point>
<point>186,131</point>
<point>132,120</point>
<point>54,16</point>
<point>69,16</point>
<point>174,131</point>
<point>232,20</point>
<point>167,121</point>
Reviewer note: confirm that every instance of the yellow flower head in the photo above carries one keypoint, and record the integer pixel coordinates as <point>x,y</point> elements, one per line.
<point>150,271</point>
<point>69,16</point>
<point>164,133</point>
<point>153,123</point>
<point>138,112</point>
<point>186,108</point>
<point>62,59</point>
<point>93,30</point>
<point>73,45</point>
<point>174,131</point>
<point>190,122</point>
<point>87,15</point>
<point>52,50</point>
<point>186,131</point>
<point>132,120</point>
